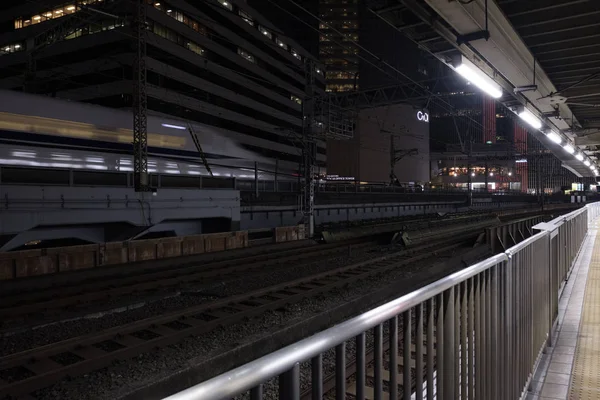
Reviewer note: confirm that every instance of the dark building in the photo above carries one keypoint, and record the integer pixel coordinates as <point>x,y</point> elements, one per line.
<point>220,63</point>
<point>340,27</point>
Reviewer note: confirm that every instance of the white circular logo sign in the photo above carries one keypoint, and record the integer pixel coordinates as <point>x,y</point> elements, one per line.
<point>422,116</point>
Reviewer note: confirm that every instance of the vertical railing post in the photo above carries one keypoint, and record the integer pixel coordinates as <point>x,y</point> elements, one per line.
<point>378,350</point>
<point>393,366</point>
<point>360,368</point>
<point>289,383</point>
<point>449,363</point>
<point>317,376</point>
<point>340,371</point>
<point>407,378</point>
<point>419,351</point>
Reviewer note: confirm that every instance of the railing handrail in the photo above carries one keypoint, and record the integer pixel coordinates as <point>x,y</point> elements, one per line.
<point>245,377</point>
<point>233,382</point>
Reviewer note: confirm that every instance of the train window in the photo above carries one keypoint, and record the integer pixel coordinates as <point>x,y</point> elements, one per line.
<point>35,176</point>
<point>87,178</point>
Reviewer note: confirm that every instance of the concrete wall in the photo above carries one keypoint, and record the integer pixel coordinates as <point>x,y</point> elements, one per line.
<point>27,263</point>
<point>257,217</point>
<point>100,214</point>
<point>21,264</point>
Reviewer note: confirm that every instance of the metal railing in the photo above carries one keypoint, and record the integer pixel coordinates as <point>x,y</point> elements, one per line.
<point>477,334</point>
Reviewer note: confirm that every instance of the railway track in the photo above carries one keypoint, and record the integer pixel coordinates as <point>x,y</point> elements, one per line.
<point>24,372</point>
<point>23,302</point>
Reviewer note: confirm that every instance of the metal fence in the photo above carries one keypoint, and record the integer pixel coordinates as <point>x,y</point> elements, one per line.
<point>475,334</point>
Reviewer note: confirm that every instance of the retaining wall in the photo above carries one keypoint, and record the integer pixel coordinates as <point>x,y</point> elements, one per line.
<point>21,264</point>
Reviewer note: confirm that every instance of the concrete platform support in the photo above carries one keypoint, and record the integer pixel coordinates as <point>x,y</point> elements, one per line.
<point>99,214</point>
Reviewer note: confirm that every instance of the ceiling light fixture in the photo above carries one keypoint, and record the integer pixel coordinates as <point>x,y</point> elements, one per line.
<point>587,163</point>
<point>579,156</point>
<point>568,148</point>
<point>477,77</point>
<point>531,119</point>
<point>555,137</point>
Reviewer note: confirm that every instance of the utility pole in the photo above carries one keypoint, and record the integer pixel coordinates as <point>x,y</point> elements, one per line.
<point>140,100</point>
<point>309,150</point>
<point>469,173</point>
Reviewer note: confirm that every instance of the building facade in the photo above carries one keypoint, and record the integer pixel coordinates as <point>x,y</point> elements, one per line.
<point>338,29</point>
<point>218,63</point>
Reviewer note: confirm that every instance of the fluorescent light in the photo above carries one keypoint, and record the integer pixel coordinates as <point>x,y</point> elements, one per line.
<point>579,156</point>
<point>568,148</point>
<point>587,163</point>
<point>477,77</point>
<point>555,137</point>
<point>531,119</point>
<point>174,126</point>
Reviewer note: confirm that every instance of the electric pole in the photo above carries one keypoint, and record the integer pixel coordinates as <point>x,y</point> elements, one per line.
<point>309,150</point>
<point>140,100</point>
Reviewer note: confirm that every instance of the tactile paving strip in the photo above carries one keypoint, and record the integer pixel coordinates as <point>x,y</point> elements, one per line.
<point>585,380</point>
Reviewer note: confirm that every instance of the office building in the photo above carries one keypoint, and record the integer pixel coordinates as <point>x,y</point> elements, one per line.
<point>218,63</point>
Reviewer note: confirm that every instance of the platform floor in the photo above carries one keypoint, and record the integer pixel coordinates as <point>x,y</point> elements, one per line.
<point>571,367</point>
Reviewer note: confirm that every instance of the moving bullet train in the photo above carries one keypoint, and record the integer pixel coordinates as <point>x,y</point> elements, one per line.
<point>42,132</point>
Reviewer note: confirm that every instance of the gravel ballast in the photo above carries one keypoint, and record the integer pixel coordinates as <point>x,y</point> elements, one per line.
<point>123,377</point>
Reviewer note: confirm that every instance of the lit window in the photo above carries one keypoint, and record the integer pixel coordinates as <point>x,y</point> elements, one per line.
<point>226,4</point>
<point>265,32</point>
<point>246,55</point>
<point>246,17</point>
<point>195,48</point>
<point>11,48</point>
<point>281,44</point>
<point>296,99</point>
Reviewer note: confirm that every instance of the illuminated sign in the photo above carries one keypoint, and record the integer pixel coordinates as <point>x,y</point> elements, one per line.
<point>422,116</point>
<point>339,178</point>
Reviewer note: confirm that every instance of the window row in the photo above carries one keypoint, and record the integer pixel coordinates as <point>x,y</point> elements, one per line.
<point>173,36</point>
<point>343,87</point>
<point>341,75</point>
<point>57,12</point>
<point>95,28</point>
<point>346,37</point>
<point>337,49</point>
<point>180,16</point>
<point>265,31</point>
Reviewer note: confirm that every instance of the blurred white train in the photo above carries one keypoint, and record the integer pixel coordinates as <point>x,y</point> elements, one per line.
<point>43,132</point>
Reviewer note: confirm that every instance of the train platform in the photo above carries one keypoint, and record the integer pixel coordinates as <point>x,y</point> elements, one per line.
<point>570,369</point>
